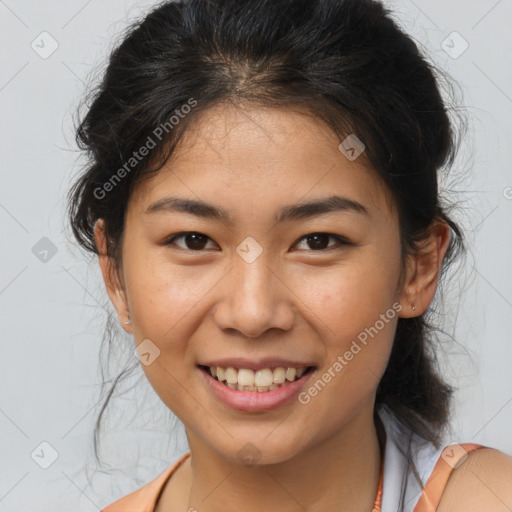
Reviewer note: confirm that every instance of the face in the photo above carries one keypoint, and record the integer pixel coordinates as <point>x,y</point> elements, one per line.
<point>267,283</point>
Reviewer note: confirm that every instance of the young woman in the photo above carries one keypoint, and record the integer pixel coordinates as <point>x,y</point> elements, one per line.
<point>262,196</point>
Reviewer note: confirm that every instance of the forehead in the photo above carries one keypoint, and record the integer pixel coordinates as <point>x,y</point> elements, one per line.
<point>232,155</point>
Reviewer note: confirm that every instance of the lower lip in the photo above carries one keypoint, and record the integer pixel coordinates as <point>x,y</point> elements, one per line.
<point>256,401</point>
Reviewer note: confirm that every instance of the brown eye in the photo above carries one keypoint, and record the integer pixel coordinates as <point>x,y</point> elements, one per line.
<point>193,241</point>
<point>320,241</point>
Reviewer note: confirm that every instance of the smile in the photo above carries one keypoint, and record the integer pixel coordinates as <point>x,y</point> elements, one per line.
<point>262,380</point>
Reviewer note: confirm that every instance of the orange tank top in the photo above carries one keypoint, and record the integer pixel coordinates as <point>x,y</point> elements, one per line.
<point>145,498</point>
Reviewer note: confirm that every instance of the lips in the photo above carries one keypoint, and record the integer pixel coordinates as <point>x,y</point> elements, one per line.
<point>257,364</point>
<point>250,398</point>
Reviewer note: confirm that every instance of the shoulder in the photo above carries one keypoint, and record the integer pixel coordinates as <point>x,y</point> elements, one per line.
<point>145,499</point>
<point>482,482</point>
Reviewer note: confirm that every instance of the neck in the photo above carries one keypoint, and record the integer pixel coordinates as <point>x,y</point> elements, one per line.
<point>339,473</point>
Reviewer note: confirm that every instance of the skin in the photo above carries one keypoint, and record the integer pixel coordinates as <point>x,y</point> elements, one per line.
<point>293,301</point>
<point>482,482</point>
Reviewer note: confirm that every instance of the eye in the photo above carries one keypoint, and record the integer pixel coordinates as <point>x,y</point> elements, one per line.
<point>194,241</point>
<point>319,241</point>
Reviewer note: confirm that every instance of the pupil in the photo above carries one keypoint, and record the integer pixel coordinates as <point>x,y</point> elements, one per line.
<point>316,244</point>
<point>198,241</point>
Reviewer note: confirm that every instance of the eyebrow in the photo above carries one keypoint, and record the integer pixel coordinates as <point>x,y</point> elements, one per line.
<point>297,211</point>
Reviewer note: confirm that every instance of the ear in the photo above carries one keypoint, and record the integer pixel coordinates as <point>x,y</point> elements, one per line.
<point>111,276</point>
<point>423,270</point>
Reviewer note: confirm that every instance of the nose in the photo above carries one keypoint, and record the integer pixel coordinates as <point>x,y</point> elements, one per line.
<point>255,298</point>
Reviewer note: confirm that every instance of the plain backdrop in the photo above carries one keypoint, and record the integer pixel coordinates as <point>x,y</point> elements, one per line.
<point>52,300</point>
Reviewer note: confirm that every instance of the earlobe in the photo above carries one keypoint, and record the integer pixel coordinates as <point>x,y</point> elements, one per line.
<point>110,273</point>
<point>423,271</point>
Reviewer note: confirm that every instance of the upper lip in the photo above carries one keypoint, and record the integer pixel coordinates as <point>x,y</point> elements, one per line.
<point>266,362</point>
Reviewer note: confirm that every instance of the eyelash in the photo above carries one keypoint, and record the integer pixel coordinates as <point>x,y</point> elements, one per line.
<point>341,240</point>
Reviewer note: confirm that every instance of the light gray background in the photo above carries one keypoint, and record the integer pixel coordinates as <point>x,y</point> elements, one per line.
<point>52,312</point>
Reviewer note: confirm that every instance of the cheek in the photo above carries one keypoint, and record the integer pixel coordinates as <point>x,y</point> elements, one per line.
<point>160,298</point>
<point>356,308</point>
<point>352,297</point>
<point>361,323</point>
<point>162,294</point>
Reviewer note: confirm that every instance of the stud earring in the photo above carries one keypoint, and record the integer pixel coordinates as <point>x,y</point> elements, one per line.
<point>413,307</point>
<point>127,322</point>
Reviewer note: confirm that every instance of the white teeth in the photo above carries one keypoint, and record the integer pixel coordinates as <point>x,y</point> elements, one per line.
<point>265,379</point>
<point>231,376</point>
<point>279,375</point>
<point>245,377</point>
<point>290,374</point>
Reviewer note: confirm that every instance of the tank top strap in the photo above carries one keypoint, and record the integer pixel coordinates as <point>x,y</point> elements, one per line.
<point>451,457</point>
<point>378,498</point>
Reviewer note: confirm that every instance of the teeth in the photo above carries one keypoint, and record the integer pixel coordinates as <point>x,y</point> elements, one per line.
<point>262,378</point>
<point>265,379</point>
<point>290,374</point>
<point>245,377</point>
<point>279,375</point>
<point>231,376</point>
